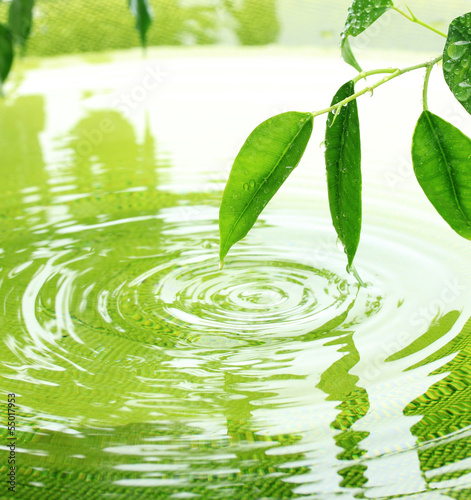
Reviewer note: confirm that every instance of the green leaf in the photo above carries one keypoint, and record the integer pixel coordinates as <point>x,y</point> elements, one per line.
<point>457,60</point>
<point>142,11</point>
<point>441,155</point>
<point>348,56</point>
<point>269,155</point>
<point>6,53</point>
<point>361,15</point>
<point>20,20</point>
<point>343,164</point>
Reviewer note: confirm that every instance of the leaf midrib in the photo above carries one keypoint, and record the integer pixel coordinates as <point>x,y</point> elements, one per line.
<point>340,180</point>
<point>305,120</point>
<point>445,158</point>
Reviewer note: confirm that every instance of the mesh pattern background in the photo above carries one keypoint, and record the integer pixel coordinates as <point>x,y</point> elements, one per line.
<point>74,26</point>
<point>71,26</point>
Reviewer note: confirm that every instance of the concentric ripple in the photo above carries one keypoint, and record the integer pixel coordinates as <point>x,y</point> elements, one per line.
<point>253,294</point>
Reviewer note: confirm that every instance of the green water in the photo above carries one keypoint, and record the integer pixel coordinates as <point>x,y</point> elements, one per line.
<point>141,370</point>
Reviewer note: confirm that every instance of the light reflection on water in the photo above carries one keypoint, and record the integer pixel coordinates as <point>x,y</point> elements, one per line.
<point>141,367</point>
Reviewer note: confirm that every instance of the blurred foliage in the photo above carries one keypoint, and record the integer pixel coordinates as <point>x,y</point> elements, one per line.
<point>257,23</point>
<point>73,26</point>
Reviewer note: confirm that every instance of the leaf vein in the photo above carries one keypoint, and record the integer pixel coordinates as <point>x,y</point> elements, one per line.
<point>304,121</point>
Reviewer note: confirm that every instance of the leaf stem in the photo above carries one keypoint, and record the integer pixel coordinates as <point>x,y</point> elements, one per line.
<point>393,73</point>
<point>364,74</point>
<point>414,19</point>
<point>425,91</point>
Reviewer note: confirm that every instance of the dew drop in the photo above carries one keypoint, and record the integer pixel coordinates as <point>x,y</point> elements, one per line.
<point>463,91</point>
<point>246,186</point>
<point>252,183</point>
<point>458,49</point>
<point>448,66</point>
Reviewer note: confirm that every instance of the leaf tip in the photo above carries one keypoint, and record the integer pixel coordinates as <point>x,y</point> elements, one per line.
<point>352,270</point>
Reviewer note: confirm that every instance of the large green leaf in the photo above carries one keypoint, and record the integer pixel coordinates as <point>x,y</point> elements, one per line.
<point>457,60</point>
<point>441,155</point>
<point>361,15</point>
<point>268,156</point>
<point>142,11</point>
<point>343,164</point>
<point>20,20</point>
<point>6,54</point>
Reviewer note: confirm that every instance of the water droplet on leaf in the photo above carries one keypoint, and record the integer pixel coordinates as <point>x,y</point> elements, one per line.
<point>463,91</point>
<point>458,49</point>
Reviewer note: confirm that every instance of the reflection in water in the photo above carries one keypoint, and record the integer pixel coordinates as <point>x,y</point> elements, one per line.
<point>22,160</point>
<point>340,385</point>
<point>143,370</point>
<point>443,433</point>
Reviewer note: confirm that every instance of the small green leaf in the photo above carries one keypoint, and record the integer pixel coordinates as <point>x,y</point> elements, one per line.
<point>142,11</point>
<point>348,56</point>
<point>343,164</point>
<point>441,155</point>
<point>457,59</point>
<point>361,15</point>
<point>6,54</point>
<point>269,155</point>
<point>20,20</point>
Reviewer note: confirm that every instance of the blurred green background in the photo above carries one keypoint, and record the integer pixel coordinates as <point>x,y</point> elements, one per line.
<point>72,26</point>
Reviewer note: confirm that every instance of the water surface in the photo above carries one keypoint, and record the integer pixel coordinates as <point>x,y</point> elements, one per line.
<point>143,370</point>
